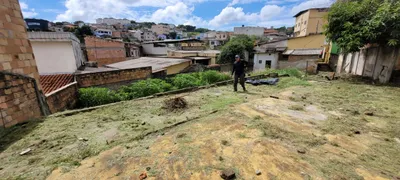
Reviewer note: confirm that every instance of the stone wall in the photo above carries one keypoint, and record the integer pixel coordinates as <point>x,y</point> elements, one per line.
<point>104,51</point>
<point>112,77</point>
<point>18,100</point>
<point>63,99</point>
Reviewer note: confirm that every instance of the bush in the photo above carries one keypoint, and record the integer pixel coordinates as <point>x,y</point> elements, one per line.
<point>145,88</point>
<point>210,77</point>
<point>89,97</point>
<point>186,80</point>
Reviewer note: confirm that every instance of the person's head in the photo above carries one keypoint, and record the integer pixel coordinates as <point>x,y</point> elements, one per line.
<point>237,58</point>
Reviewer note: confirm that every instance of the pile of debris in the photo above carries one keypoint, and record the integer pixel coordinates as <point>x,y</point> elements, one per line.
<point>174,104</point>
<point>271,81</point>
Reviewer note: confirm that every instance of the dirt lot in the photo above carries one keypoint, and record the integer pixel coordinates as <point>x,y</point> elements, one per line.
<point>315,130</point>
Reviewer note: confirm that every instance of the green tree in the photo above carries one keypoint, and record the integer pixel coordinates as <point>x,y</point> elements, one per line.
<point>80,33</point>
<point>172,35</point>
<point>236,46</point>
<point>77,22</point>
<point>133,22</point>
<point>201,30</point>
<point>354,23</point>
<point>190,28</point>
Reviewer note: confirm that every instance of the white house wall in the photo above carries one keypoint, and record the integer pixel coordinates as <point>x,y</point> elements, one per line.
<point>149,49</point>
<point>265,57</point>
<point>54,57</point>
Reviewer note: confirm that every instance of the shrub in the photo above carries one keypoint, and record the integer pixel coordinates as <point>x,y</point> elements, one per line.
<point>210,77</point>
<point>89,97</point>
<point>145,88</point>
<point>186,80</point>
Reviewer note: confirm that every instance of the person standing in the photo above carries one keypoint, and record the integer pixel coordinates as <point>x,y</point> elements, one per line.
<point>238,70</point>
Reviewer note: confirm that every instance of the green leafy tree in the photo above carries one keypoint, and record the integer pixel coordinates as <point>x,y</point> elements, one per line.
<point>236,46</point>
<point>354,23</point>
<point>201,30</point>
<point>80,33</point>
<point>77,22</point>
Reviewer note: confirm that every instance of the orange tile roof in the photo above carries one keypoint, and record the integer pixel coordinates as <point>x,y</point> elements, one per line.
<point>51,83</point>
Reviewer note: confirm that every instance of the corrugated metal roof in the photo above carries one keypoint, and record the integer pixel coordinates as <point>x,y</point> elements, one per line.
<point>300,52</point>
<point>51,83</point>
<point>155,62</point>
<point>52,36</point>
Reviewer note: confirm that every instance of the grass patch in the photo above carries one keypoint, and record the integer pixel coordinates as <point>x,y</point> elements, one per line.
<point>292,72</point>
<point>296,108</point>
<point>292,81</point>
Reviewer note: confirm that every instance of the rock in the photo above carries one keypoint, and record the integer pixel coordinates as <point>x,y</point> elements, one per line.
<point>83,139</point>
<point>221,158</point>
<point>148,168</point>
<point>258,172</point>
<point>303,97</point>
<point>181,135</point>
<point>143,123</point>
<point>369,113</point>
<point>1,168</point>
<point>147,147</point>
<point>301,151</point>
<point>228,174</point>
<point>26,151</point>
<point>143,175</point>
<point>357,132</point>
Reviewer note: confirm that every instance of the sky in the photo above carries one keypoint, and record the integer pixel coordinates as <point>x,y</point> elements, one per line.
<point>212,14</point>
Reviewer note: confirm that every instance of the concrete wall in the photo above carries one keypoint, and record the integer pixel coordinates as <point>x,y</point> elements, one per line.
<point>263,57</point>
<point>378,63</point>
<point>63,99</point>
<point>312,41</point>
<point>104,51</point>
<point>309,64</point>
<point>293,58</point>
<point>54,57</point>
<point>18,98</point>
<point>175,69</point>
<point>149,49</point>
<point>110,77</point>
<point>256,31</point>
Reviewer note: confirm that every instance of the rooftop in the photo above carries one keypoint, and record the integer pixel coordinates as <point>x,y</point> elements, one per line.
<point>155,62</point>
<point>52,36</point>
<point>301,12</point>
<point>172,41</point>
<point>51,83</point>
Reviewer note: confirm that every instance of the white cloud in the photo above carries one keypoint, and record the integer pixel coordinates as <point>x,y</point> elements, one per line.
<point>311,4</point>
<point>26,12</point>
<point>234,2</point>
<point>231,15</point>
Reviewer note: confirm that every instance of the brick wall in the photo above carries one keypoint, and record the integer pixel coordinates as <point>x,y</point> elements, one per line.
<point>18,100</point>
<point>63,99</point>
<point>299,58</point>
<point>16,53</point>
<point>104,51</point>
<point>110,77</point>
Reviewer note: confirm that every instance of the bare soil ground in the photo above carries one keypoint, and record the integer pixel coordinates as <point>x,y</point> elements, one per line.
<point>327,130</point>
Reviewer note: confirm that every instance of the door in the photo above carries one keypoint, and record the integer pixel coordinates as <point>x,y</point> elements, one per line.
<point>268,64</point>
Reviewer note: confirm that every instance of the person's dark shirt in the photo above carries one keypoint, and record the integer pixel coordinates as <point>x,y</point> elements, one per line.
<point>238,67</point>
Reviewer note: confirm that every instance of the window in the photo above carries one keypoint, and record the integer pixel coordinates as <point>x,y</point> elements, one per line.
<point>260,61</point>
<point>305,22</point>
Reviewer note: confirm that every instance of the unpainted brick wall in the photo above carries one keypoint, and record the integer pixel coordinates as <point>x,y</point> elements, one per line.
<point>104,51</point>
<point>110,77</point>
<point>18,100</point>
<point>63,99</point>
<point>16,53</point>
<point>299,58</point>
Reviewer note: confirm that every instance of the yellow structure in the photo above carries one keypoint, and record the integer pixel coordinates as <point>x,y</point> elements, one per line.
<point>175,69</point>
<point>310,22</point>
<point>307,42</point>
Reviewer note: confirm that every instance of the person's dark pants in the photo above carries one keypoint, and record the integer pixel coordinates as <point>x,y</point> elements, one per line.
<point>239,78</point>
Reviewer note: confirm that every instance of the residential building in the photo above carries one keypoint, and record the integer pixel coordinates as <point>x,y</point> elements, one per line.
<point>148,36</point>
<point>160,48</point>
<point>250,31</point>
<point>56,52</point>
<point>103,32</point>
<point>56,29</point>
<point>116,34</point>
<point>205,57</point>
<point>112,21</point>
<point>102,26</point>
<point>268,54</point>
<point>161,37</point>
<point>218,39</point>
<point>270,31</point>
<point>104,51</point>
<point>303,54</point>
<point>310,22</point>
<point>307,42</point>
<point>133,50</point>
<point>160,29</point>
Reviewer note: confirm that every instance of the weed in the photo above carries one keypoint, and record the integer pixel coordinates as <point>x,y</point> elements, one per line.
<point>242,135</point>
